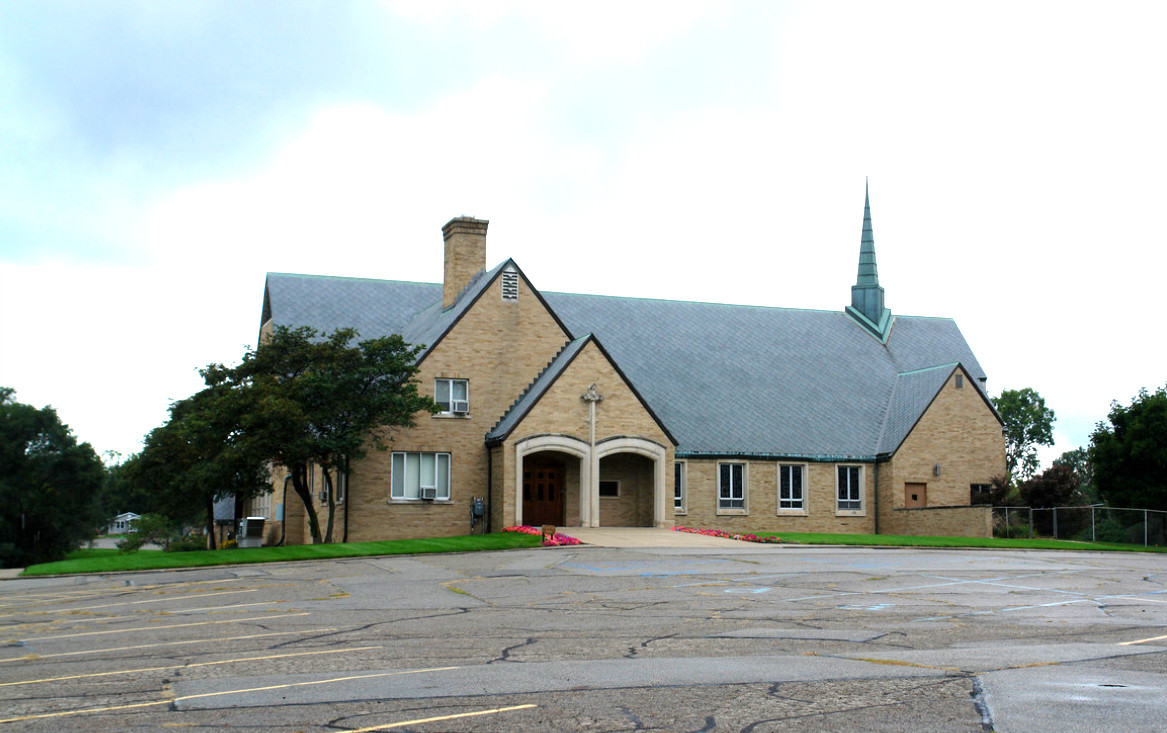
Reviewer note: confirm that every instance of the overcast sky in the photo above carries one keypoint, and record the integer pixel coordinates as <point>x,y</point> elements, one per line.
<point>158,158</point>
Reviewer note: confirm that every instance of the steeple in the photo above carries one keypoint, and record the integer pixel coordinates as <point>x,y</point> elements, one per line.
<point>866,294</point>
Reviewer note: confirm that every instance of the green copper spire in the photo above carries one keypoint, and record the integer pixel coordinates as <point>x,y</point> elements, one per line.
<point>868,272</point>
<point>866,294</point>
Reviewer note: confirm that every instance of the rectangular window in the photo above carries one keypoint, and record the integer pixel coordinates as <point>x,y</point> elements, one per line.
<point>980,494</point>
<point>452,395</point>
<point>610,489</point>
<point>731,486</point>
<point>790,494</point>
<point>420,476</point>
<point>679,486</point>
<point>849,484</point>
<point>341,485</point>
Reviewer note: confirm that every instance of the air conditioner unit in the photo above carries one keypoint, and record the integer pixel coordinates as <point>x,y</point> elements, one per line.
<point>459,407</point>
<point>429,494</point>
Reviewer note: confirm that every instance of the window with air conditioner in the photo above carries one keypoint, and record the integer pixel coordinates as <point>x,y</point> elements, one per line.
<point>453,396</point>
<point>420,476</point>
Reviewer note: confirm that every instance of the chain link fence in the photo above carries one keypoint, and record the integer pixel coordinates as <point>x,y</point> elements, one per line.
<point>1083,523</point>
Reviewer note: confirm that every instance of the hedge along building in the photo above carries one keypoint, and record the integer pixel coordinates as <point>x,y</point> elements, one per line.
<point>583,410</point>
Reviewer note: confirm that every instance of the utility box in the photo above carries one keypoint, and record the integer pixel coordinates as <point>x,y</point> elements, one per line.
<point>251,531</point>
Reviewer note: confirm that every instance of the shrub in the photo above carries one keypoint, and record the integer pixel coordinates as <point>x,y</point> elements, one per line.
<point>187,543</point>
<point>148,528</point>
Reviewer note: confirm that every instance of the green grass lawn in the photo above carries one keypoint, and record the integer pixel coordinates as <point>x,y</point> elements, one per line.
<point>104,561</point>
<point>813,538</point>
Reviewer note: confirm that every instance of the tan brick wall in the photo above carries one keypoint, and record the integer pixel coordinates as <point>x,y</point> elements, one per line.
<point>960,433</point>
<point>944,521</point>
<point>561,412</point>
<point>633,507</point>
<point>762,499</point>
<point>499,347</point>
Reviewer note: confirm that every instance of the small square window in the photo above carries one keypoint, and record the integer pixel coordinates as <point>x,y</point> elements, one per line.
<point>452,395</point>
<point>609,489</point>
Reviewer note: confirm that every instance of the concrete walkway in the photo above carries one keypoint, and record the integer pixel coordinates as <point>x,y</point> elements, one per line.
<point>645,537</point>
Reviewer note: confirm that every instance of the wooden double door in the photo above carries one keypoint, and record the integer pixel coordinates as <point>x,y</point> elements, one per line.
<point>542,490</point>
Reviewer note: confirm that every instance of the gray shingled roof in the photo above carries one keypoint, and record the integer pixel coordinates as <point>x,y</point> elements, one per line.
<point>724,379</point>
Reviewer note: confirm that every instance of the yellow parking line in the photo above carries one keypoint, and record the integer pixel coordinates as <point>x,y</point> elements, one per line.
<point>153,600</point>
<point>155,628</point>
<point>189,666</point>
<point>37,657</point>
<point>170,700</point>
<point>419,721</point>
<point>64,596</point>
<point>1142,641</point>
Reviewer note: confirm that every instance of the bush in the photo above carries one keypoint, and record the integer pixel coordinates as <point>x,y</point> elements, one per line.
<point>187,543</point>
<point>148,528</point>
<point>229,545</point>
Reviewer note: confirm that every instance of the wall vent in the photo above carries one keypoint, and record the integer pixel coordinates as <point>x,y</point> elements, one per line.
<point>510,285</point>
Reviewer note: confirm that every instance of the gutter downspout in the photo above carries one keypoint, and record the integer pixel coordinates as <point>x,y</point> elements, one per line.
<point>489,488</point>
<point>344,537</point>
<point>875,495</point>
<point>284,521</point>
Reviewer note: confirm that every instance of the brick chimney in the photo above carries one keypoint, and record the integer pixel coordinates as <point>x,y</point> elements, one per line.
<point>465,239</point>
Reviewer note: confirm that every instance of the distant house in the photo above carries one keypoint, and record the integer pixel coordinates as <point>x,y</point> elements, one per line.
<point>584,410</point>
<point>121,523</point>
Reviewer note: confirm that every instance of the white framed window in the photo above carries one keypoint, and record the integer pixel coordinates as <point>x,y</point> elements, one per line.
<point>679,487</point>
<point>420,476</point>
<point>731,487</point>
<point>341,485</point>
<point>261,505</point>
<point>609,489</point>
<point>791,489</point>
<point>453,395</point>
<point>849,489</point>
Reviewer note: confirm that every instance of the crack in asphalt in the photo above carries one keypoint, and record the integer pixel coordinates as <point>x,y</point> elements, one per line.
<point>506,652</point>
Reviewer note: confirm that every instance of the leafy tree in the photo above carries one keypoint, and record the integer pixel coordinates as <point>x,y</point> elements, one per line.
<point>302,399</point>
<point>1055,486</point>
<point>48,485</point>
<point>1130,455</point>
<point>148,528</point>
<point>1078,461</point>
<point>1028,424</point>
<point>199,455</point>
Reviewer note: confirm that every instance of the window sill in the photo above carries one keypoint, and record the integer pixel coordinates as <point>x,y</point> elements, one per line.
<point>451,416</point>
<point>733,512</point>
<point>850,513</point>
<point>419,501</point>
<point>680,512</point>
<point>793,513</point>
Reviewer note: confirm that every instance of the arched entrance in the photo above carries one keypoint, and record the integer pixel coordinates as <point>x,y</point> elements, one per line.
<point>626,490</point>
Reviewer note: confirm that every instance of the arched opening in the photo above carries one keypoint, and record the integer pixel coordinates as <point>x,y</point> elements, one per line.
<point>626,489</point>
<point>550,488</point>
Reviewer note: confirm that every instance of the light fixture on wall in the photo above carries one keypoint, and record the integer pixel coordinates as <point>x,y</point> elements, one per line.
<point>936,470</point>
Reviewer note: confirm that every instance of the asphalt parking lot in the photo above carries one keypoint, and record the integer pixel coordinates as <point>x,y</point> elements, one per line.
<point>749,638</point>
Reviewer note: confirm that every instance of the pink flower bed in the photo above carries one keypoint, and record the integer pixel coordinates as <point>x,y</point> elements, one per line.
<point>725,535</point>
<point>555,540</point>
